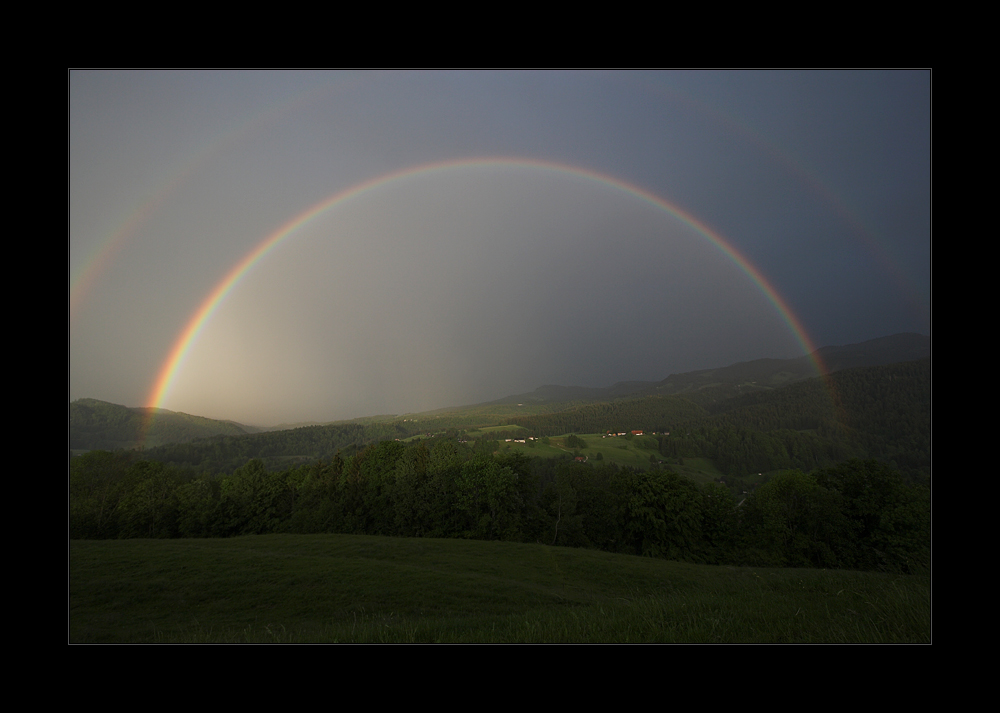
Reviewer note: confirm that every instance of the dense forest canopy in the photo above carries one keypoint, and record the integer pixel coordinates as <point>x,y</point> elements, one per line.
<point>860,514</point>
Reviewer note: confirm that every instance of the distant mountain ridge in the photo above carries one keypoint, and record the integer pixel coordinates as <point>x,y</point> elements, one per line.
<point>876,352</point>
<point>98,424</point>
<point>710,385</point>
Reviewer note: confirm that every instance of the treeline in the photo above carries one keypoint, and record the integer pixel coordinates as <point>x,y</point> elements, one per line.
<point>858,515</point>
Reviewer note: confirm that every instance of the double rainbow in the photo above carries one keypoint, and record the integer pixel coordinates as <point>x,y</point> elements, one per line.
<point>175,360</point>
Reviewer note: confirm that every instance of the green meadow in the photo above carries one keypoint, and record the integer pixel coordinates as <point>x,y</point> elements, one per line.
<point>347,588</point>
<point>635,452</point>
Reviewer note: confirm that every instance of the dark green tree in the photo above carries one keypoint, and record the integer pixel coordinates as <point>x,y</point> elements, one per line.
<point>487,492</point>
<point>662,514</point>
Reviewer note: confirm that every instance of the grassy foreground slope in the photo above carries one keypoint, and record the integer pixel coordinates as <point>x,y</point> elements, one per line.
<point>341,588</point>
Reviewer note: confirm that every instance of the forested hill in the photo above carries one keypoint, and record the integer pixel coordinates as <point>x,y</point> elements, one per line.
<point>97,424</point>
<point>277,448</point>
<point>881,412</point>
<point>889,401</point>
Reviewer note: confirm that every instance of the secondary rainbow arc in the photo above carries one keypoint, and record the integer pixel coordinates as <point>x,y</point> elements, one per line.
<point>194,326</point>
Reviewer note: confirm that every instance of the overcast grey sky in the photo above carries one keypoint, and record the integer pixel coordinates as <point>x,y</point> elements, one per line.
<point>481,279</point>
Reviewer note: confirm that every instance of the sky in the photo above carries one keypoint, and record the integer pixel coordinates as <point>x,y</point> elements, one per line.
<point>281,247</point>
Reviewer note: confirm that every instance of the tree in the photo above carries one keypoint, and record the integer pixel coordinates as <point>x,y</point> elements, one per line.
<point>252,500</point>
<point>487,492</point>
<point>197,501</point>
<point>792,521</point>
<point>718,523</point>
<point>97,482</point>
<point>561,501</point>
<point>148,507</point>
<point>662,514</point>
<point>888,522</point>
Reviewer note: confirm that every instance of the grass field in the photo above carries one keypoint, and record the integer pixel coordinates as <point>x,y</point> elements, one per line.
<point>340,588</point>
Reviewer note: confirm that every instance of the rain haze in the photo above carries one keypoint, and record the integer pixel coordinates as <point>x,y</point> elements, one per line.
<point>277,247</point>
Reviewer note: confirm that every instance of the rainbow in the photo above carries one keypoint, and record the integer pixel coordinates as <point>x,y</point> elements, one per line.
<point>175,360</point>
